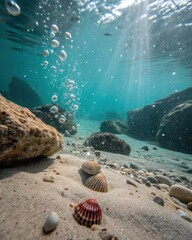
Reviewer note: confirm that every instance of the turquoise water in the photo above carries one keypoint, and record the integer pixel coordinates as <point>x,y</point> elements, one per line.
<point>123,54</point>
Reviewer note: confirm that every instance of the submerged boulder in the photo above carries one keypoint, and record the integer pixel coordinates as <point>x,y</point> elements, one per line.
<point>115,127</point>
<point>108,142</point>
<point>22,93</point>
<point>67,127</point>
<point>175,130</point>
<point>144,123</point>
<point>23,136</point>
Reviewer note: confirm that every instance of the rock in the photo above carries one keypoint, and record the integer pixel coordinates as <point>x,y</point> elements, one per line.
<point>23,94</point>
<point>185,216</point>
<point>180,138</point>
<point>108,142</point>
<point>48,179</point>
<point>163,179</point>
<point>163,186</point>
<point>134,166</point>
<point>52,119</point>
<point>188,170</point>
<point>24,136</point>
<point>145,148</point>
<point>115,127</point>
<point>159,200</point>
<point>182,193</point>
<point>178,179</point>
<point>176,201</point>
<point>184,178</point>
<point>189,206</point>
<point>152,179</point>
<point>144,123</point>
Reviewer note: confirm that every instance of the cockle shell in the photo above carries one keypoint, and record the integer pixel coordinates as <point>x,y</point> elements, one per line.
<point>91,167</point>
<point>51,222</point>
<point>97,183</point>
<point>88,212</point>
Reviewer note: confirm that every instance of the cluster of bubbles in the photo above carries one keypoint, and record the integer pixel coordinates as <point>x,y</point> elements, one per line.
<point>55,47</point>
<point>12,7</point>
<point>55,44</point>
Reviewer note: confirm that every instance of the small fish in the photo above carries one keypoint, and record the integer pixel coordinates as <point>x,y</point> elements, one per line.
<point>108,34</point>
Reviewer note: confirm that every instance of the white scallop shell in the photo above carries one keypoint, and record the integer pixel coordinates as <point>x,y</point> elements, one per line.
<point>51,222</point>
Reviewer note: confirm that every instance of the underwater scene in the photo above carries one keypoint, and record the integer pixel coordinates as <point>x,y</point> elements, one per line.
<point>96,119</point>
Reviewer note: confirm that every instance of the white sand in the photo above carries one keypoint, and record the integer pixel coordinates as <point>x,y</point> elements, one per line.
<point>128,212</point>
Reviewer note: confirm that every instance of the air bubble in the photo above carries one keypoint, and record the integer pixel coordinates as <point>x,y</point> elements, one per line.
<point>55,43</point>
<point>54,98</point>
<point>54,109</point>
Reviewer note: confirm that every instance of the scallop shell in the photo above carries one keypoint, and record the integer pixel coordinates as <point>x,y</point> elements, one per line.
<point>51,222</point>
<point>91,167</point>
<point>97,183</point>
<point>88,212</point>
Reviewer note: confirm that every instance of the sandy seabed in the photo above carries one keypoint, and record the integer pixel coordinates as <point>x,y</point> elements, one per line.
<point>128,212</point>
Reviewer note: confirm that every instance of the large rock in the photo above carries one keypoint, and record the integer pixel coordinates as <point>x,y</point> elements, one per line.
<point>180,192</point>
<point>144,123</point>
<point>23,94</point>
<point>24,136</point>
<point>113,126</point>
<point>175,130</point>
<point>43,112</point>
<point>109,143</point>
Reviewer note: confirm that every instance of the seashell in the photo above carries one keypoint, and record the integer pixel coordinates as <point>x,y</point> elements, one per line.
<point>91,167</point>
<point>51,222</point>
<point>97,183</point>
<point>88,212</point>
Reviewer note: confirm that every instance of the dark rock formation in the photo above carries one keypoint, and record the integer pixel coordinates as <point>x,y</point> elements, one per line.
<point>175,130</point>
<point>144,123</point>
<point>23,136</point>
<point>108,142</point>
<point>115,127</point>
<point>43,112</point>
<point>23,94</point>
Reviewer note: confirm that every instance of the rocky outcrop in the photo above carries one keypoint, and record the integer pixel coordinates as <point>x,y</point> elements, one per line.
<point>144,123</point>
<point>115,127</point>
<point>23,136</point>
<point>67,127</point>
<point>108,142</point>
<point>175,130</point>
<point>22,93</point>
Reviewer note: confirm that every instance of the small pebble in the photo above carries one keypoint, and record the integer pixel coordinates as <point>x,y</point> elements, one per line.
<point>58,157</point>
<point>176,201</point>
<point>189,206</point>
<point>148,184</point>
<point>159,200</point>
<point>185,216</point>
<point>48,179</point>
<point>97,153</point>
<point>131,183</point>
<point>145,148</point>
<point>95,227</point>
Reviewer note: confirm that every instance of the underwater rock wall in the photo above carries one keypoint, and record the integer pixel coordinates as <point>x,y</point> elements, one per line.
<point>148,123</point>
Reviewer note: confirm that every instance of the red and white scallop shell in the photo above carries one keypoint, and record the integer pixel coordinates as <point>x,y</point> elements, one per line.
<point>88,212</point>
